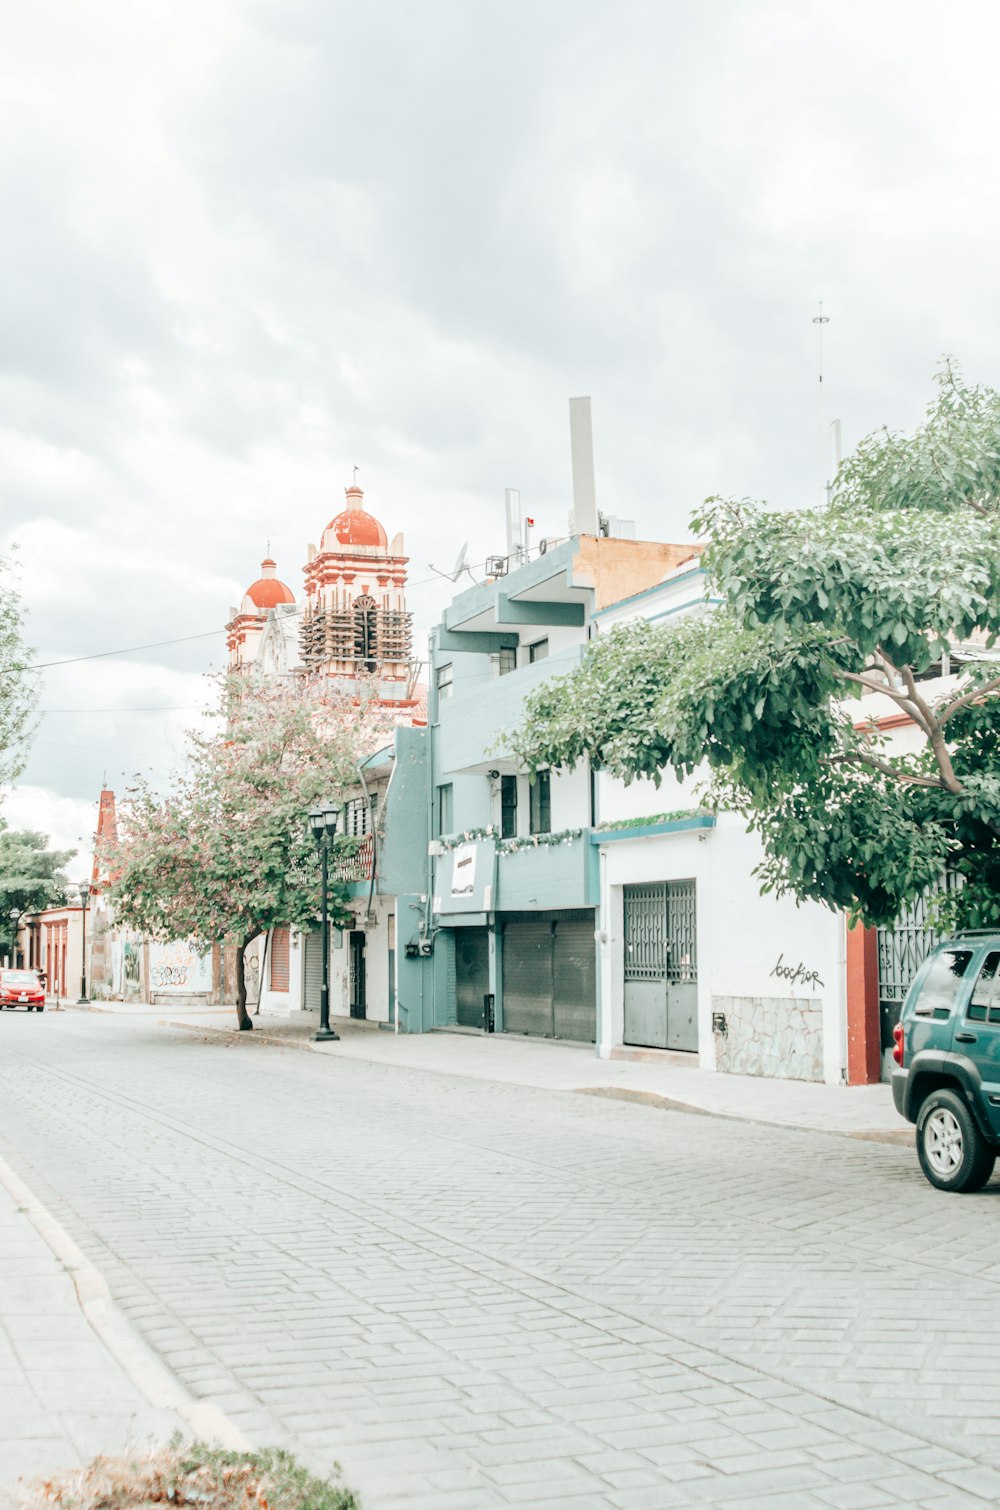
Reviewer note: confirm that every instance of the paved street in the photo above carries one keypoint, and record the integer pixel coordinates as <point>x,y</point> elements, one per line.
<point>479,1294</point>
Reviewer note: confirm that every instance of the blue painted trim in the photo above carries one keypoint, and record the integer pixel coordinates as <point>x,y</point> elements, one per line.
<point>651,830</point>
<point>680,607</point>
<point>694,571</point>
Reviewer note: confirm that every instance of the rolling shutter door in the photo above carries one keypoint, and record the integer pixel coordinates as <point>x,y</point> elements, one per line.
<point>527,977</point>
<point>279,960</point>
<point>472,975</point>
<point>574,979</point>
<point>313,971</point>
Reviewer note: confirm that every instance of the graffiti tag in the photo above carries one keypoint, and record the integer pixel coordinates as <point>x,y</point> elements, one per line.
<point>796,974</point>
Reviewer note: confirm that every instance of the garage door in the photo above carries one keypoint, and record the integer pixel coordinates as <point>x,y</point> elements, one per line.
<point>549,977</point>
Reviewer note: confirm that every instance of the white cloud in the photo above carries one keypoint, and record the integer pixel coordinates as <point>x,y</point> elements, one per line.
<point>250,244</point>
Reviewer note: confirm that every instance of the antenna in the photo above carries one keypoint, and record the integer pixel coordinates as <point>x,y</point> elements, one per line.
<point>356,471</point>
<point>820,320</point>
<point>459,567</point>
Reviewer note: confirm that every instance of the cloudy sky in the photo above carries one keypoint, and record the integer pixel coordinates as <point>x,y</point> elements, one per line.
<point>249,244</point>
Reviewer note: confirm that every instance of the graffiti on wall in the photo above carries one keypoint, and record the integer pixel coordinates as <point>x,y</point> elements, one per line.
<point>179,967</point>
<point>130,967</point>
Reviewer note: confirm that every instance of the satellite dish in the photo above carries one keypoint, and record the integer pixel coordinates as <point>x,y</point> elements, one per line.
<point>456,571</point>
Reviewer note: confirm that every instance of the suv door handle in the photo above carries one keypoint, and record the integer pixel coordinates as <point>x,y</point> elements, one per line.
<point>966,1038</point>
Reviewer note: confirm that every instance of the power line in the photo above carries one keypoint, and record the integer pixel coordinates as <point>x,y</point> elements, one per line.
<point>185,639</point>
<point>99,655</point>
<point>161,708</point>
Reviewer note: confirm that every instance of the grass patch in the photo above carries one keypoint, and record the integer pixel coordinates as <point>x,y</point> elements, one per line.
<point>193,1474</point>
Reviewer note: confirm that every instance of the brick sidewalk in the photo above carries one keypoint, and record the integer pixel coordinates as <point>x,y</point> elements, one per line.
<point>65,1398</point>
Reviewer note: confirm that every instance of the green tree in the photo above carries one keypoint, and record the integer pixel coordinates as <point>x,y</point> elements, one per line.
<point>820,608</point>
<point>227,854</point>
<point>31,878</point>
<point>17,690</point>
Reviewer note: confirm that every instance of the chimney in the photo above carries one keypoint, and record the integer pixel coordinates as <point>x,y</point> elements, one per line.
<point>581,445</point>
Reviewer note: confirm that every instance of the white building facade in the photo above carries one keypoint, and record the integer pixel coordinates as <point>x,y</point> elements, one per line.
<point>691,956</point>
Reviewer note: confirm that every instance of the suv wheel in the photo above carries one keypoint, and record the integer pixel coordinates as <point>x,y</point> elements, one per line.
<point>952,1151</point>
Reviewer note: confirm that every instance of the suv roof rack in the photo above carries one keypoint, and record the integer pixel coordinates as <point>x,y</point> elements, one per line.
<point>968,933</point>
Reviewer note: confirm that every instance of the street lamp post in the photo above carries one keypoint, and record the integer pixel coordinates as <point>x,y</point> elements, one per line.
<point>84,904</point>
<point>323,822</point>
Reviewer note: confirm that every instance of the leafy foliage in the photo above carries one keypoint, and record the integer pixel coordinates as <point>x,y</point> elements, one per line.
<point>228,854</point>
<point>17,690</point>
<point>195,1473</point>
<point>823,607</point>
<point>31,878</point>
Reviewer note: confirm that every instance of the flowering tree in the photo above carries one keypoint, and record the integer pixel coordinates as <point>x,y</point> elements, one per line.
<point>821,607</point>
<point>227,854</point>
<point>17,691</point>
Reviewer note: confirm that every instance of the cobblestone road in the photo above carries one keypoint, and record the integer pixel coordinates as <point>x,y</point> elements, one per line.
<point>479,1295</point>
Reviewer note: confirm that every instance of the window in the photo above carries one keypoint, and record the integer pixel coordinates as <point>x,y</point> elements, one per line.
<point>538,651</point>
<point>985,1003</point>
<point>503,662</point>
<point>446,820</point>
<point>366,633</point>
<point>279,959</point>
<point>940,987</point>
<point>358,815</point>
<point>445,680</point>
<point>540,804</point>
<point>508,807</point>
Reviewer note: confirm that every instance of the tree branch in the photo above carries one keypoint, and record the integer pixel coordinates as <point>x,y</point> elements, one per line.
<point>945,710</point>
<point>935,734</point>
<point>857,757</point>
<point>888,691</point>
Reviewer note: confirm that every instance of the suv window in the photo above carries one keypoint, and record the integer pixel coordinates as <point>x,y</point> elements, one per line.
<point>984,1005</point>
<point>937,994</point>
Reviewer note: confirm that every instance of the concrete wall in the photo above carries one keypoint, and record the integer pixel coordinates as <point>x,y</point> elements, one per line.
<point>475,719</point>
<point>754,953</point>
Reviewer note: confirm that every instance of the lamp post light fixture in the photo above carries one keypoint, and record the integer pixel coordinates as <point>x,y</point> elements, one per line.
<point>84,904</point>
<point>323,822</point>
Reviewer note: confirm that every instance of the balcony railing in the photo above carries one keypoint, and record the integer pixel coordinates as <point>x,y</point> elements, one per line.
<point>356,867</point>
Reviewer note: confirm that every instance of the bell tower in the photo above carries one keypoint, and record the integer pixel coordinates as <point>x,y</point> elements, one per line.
<point>355,625</point>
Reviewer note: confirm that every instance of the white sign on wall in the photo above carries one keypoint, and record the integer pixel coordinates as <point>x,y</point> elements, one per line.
<point>463,870</point>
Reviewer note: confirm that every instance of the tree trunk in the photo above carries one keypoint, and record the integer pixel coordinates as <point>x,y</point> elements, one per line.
<point>243,1018</point>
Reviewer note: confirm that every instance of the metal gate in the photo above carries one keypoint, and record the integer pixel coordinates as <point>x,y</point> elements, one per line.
<point>902,949</point>
<point>661,965</point>
<point>472,975</point>
<point>550,977</point>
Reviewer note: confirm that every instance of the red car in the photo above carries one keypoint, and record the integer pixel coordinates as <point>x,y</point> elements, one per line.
<point>21,988</point>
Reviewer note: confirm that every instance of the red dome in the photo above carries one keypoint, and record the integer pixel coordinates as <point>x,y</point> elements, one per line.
<point>267,591</point>
<point>354,526</point>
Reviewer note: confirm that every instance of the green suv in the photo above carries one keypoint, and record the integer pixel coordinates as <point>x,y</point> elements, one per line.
<point>947,1054</point>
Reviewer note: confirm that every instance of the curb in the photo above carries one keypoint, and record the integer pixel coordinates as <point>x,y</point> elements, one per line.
<point>894,1135</point>
<point>900,1137</point>
<point>150,1375</point>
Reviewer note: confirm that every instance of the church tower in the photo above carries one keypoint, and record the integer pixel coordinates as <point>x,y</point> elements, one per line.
<point>246,623</point>
<point>355,625</point>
